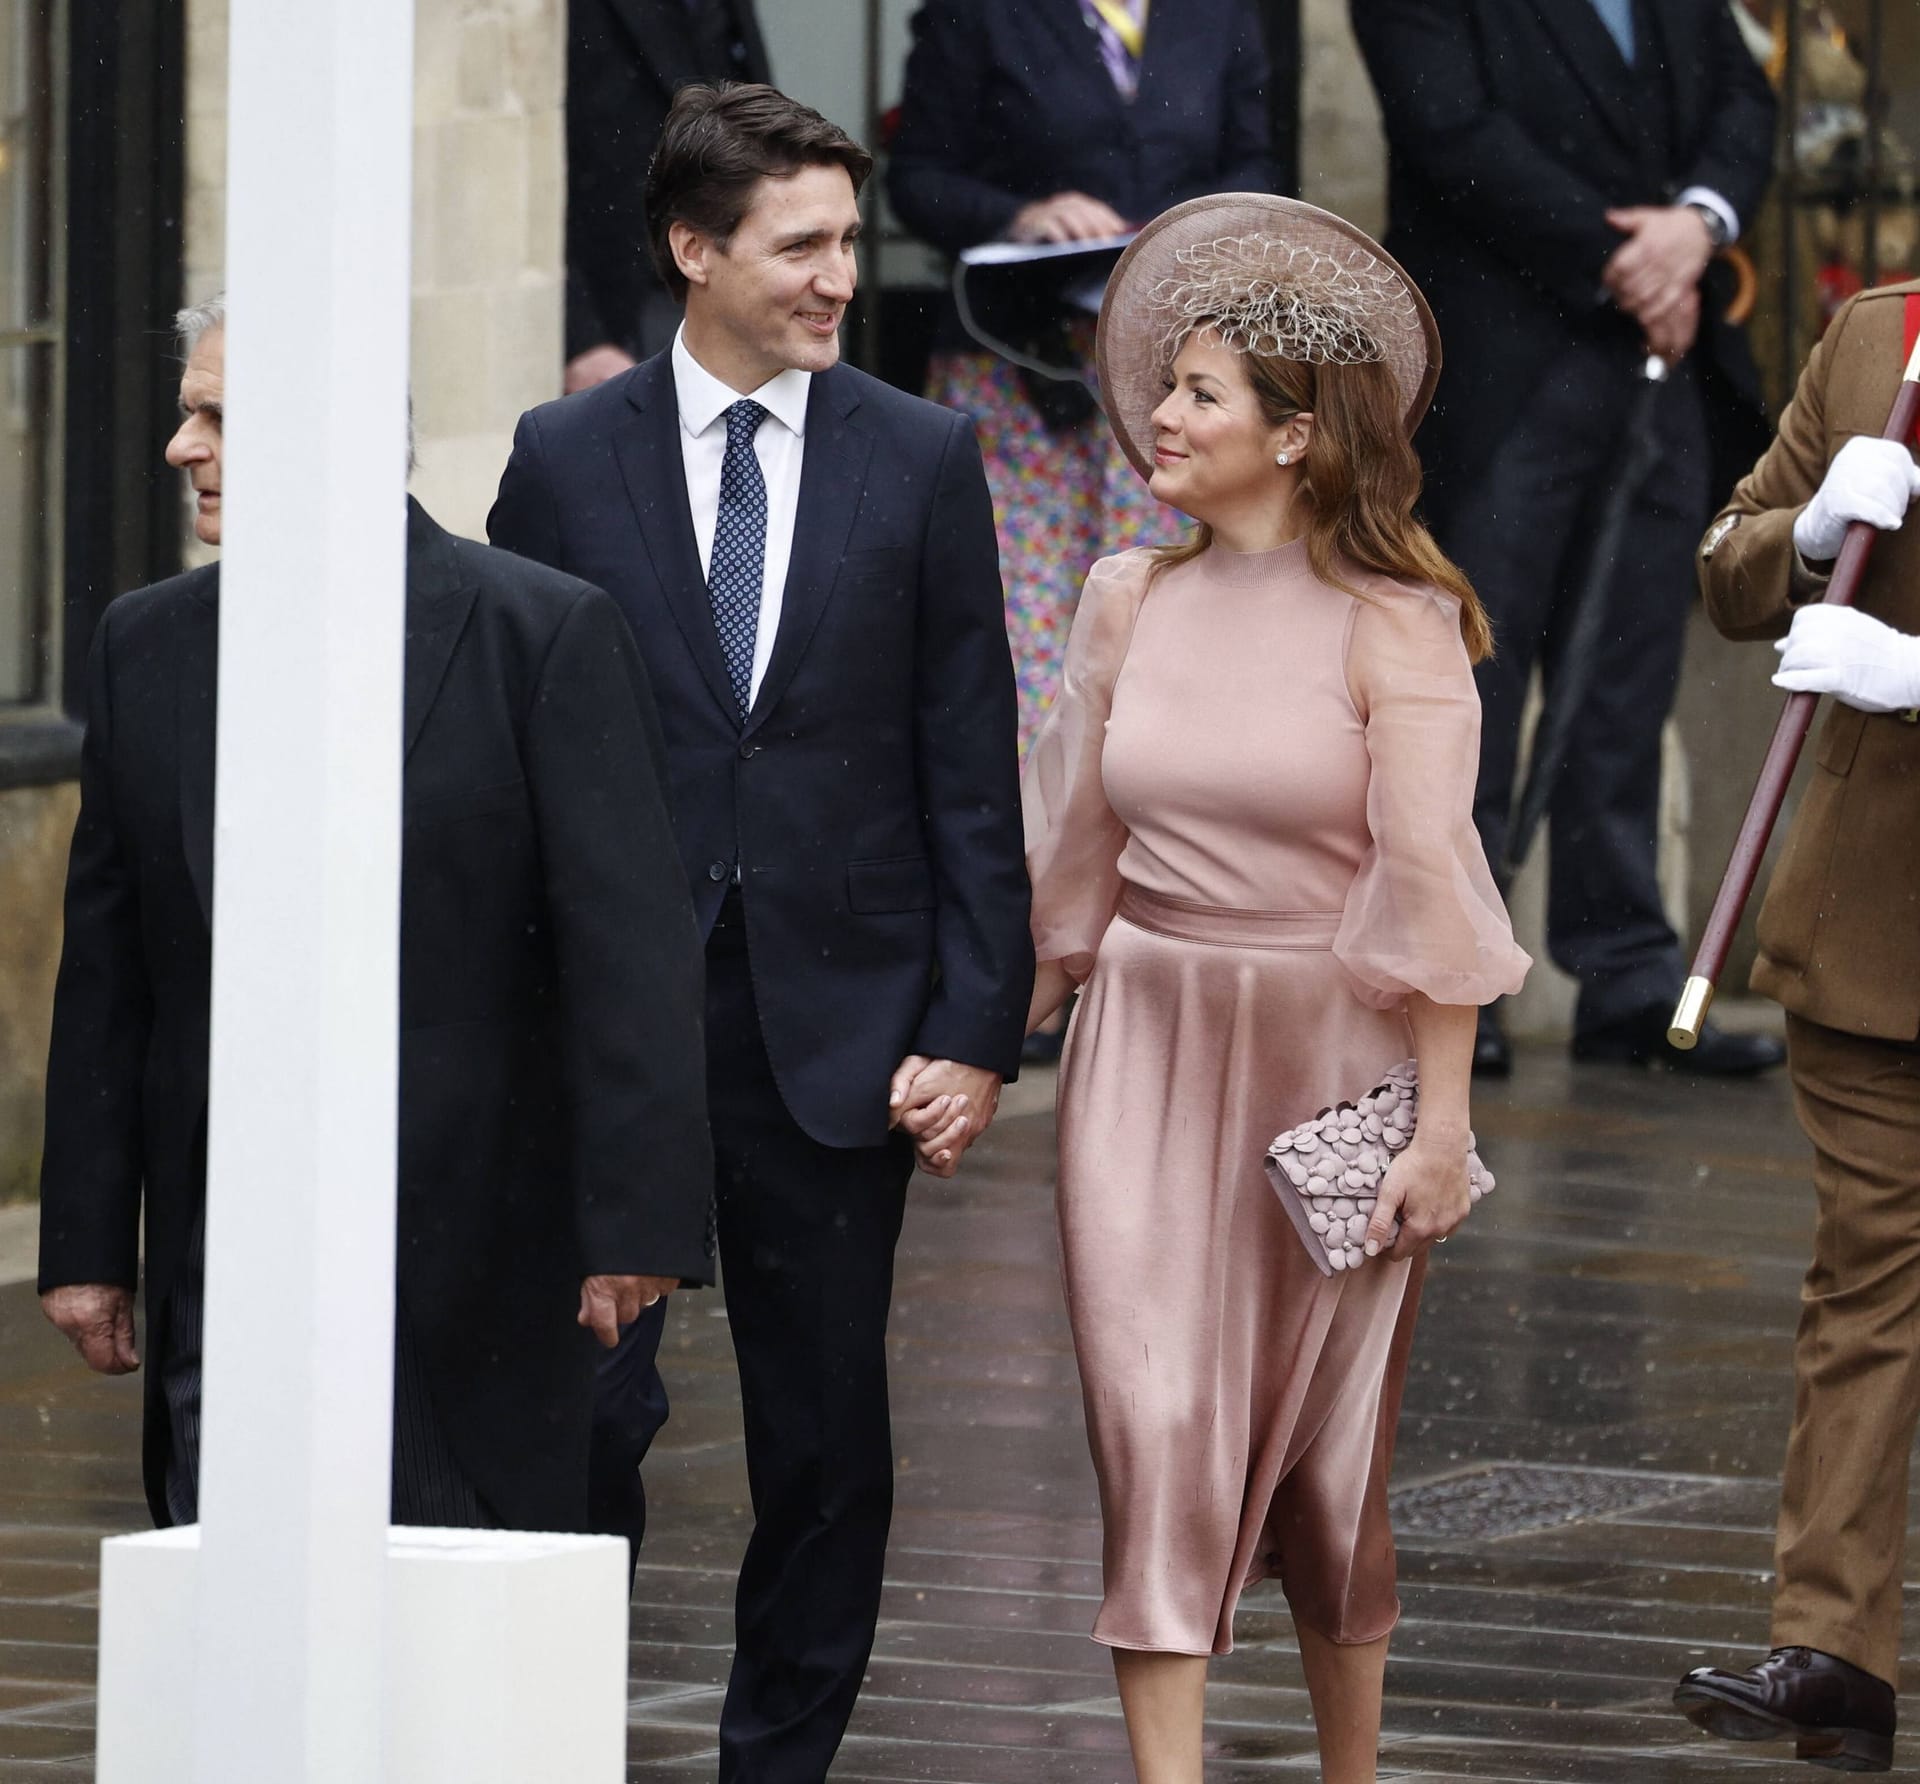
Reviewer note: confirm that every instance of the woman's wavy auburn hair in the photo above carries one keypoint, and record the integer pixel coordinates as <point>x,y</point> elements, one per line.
<point>1361,480</point>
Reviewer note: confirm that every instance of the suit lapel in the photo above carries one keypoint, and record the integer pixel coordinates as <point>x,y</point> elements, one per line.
<point>438,601</point>
<point>833,478</point>
<point>1596,63</point>
<point>196,690</point>
<point>655,473</point>
<point>1063,21</point>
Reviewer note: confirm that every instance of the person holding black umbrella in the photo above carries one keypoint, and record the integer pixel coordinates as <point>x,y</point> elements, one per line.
<point>1561,178</point>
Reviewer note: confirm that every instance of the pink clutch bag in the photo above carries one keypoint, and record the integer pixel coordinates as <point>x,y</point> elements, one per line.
<point>1327,1171</point>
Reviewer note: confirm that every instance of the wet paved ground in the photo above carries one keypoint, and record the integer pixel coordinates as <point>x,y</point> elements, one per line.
<point>1586,1480</point>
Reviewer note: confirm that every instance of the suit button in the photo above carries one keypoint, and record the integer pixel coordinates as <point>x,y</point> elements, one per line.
<point>718,871</point>
<point>748,751</point>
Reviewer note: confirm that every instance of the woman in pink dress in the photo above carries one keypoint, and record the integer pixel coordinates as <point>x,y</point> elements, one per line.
<point>1251,841</point>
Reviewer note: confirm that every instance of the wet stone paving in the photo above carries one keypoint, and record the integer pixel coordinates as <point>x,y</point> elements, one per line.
<point>1585,1481</point>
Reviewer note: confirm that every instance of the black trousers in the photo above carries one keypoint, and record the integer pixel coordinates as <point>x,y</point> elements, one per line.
<point>807,1235</point>
<point>1522,534</point>
<point>430,1488</point>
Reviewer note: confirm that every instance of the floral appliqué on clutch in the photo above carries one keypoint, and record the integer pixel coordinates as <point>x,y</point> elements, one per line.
<point>1327,1171</point>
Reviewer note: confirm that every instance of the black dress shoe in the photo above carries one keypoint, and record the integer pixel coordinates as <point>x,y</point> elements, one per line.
<point>1641,1039</point>
<point>1835,1714</point>
<point>1492,1051</point>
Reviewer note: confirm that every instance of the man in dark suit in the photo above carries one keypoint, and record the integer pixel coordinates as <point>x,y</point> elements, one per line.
<point>1562,172</point>
<point>625,61</point>
<point>553,1157</point>
<point>807,557</point>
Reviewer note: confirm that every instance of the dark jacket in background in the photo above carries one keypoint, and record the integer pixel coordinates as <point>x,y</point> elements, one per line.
<point>552,1107</point>
<point>625,61</point>
<point>1512,127</point>
<point>1007,101</point>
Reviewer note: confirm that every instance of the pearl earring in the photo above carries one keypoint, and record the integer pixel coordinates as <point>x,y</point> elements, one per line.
<point>1285,458</point>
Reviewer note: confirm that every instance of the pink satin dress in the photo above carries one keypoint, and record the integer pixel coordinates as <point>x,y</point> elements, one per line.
<point>1250,835</point>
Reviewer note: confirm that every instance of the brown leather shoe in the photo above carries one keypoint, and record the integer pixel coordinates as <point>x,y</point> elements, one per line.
<point>1835,1714</point>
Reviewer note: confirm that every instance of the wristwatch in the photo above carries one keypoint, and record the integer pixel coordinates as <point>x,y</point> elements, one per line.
<point>1716,224</point>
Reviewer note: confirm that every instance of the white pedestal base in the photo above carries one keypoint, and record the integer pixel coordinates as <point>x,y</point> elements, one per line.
<point>507,1657</point>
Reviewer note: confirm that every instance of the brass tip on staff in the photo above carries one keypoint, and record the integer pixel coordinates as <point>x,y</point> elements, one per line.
<point>1690,1014</point>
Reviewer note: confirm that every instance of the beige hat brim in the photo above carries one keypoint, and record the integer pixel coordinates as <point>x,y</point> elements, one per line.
<point>1128,353</point>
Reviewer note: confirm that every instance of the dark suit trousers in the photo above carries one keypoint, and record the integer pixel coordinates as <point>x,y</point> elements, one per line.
<point>430,1488</point>
<point>1843,1500</point>
<point>807,1235</point>
<point>1522,533</point>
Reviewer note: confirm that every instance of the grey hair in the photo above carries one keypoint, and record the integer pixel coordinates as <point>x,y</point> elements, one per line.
<point>194,324</point>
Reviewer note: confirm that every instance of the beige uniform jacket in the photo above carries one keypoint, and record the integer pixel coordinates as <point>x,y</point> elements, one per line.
<point>1840,929</point>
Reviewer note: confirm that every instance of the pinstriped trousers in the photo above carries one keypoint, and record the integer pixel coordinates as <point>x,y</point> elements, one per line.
<point>429,1486</point>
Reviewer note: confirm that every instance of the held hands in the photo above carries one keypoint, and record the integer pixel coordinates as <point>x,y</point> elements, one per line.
<point>1654,275</point>
<point>609,1302</point>
<point>943,1107</point>
<point>1870,480</point>
<point>1066,217</point>
<point>97,1319</point>
<point>1426,1191</point>
<point>1856,658</point>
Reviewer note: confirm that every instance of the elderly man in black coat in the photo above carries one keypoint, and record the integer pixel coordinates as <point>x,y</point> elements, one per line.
<point>1562,172</point>
<point>554,1166</point>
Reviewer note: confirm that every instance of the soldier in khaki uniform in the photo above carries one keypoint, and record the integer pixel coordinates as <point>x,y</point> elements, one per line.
<point>1840,949</point>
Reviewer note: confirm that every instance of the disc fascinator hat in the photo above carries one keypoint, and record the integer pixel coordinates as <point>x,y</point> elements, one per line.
<point>1269,275</point>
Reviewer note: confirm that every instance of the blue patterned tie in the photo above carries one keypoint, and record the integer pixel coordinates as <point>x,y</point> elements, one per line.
<point>738,563</point>
<point>1617,16</point>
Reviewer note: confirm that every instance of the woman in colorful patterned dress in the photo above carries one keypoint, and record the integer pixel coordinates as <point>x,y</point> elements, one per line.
<point>1060,121</point>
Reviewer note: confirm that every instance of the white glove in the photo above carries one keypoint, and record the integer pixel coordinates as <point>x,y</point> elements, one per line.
<point>1856,658</point>
<point>1870,480</point>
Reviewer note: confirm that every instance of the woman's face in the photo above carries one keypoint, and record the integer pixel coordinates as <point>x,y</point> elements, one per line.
<point>1214,450</point>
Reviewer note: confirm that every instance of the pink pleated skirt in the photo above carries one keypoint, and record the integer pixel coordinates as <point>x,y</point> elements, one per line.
<point>1240,1405</point>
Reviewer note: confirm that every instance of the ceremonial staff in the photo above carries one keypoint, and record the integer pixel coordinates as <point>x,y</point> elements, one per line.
<point>1763,809</point>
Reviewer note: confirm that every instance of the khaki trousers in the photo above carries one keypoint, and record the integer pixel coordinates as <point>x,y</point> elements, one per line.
<point>1842,1538</point>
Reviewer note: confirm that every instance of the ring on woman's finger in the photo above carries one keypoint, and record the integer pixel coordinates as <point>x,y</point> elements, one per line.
<point>1441,1240</point>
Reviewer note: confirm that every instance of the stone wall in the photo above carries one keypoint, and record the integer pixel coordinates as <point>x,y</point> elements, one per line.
<point>489,215</point>
<point>35,824</point>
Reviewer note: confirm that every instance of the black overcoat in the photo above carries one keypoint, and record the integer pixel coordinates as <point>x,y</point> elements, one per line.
<point>870,802</point>
<point>1512,126</point>
<point>552,1093</point>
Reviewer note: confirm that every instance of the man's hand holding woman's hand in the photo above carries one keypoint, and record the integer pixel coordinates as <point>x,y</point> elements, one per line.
<point>943,1107</point>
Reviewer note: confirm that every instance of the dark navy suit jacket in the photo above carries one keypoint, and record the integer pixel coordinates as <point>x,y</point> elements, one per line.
<point>1007,101</point>
<point>870,802</point>
<point>1512,126</point>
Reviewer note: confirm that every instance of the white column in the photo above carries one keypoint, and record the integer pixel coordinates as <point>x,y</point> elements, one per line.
<point>300,1227</point>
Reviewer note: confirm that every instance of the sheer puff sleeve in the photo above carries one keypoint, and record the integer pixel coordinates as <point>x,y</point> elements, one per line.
<point>1073,837</point>
<point>1423,913</point>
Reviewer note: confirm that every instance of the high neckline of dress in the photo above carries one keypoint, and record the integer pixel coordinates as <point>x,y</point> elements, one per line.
<point>1250,568</point>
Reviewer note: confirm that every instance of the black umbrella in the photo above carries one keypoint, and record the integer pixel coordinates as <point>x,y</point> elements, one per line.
<point>1639,453</point>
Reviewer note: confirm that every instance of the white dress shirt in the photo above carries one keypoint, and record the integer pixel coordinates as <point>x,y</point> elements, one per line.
<point>779,445</point>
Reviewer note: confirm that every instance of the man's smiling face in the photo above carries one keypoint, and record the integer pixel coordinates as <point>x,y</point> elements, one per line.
<point>780,286</point>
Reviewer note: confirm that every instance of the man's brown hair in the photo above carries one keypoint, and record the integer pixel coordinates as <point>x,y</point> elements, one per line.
<point>717,145</point>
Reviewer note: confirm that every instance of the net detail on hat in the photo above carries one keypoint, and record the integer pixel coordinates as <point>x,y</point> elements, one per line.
<point>1288,300</point>
<point>1271,275</point>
